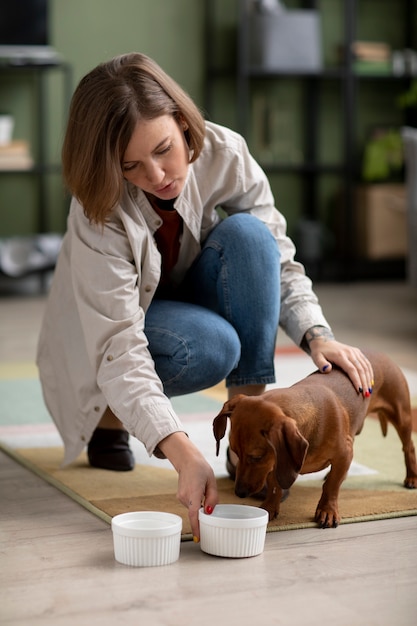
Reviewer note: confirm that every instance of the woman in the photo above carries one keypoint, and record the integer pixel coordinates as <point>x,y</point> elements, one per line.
<point>156,295</point>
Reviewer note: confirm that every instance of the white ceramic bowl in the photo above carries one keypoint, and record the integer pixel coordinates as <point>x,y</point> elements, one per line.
<point>233,530</point>
<point>146,538</point>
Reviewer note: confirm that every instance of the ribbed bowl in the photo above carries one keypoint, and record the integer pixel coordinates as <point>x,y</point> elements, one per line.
<point>233,530</point>
<point>146,538</point>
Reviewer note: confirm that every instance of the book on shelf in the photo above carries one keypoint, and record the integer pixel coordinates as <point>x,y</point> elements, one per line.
<point>371,50</point>
<point>369,57</point>
<point>15,155</point>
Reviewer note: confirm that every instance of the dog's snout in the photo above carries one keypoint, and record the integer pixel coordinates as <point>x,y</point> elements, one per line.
<point>241,491</point>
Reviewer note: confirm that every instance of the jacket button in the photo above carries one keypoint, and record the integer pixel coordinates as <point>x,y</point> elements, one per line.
<point>148,288</point>
<point>97,409</point>
<point>110,357</point>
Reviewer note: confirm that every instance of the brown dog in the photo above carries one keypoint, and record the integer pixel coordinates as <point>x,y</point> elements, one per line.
<point>310,426</point>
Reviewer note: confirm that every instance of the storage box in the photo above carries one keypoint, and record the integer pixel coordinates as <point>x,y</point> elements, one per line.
<point>289,41</point>
<point>381,221</point>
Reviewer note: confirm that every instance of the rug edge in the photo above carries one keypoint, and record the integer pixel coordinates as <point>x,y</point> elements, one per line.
<point>55,483</point>
<point>12,453</point>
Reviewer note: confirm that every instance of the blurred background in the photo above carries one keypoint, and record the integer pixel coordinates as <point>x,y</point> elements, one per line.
<point>322,91</point>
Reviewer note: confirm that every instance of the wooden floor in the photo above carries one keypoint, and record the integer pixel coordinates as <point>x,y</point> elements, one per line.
<point>57,566</point>
<point>58,569</point>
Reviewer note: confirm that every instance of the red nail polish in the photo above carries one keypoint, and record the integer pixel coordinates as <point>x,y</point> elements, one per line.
<point>209,510</point>
<point>367,394</point>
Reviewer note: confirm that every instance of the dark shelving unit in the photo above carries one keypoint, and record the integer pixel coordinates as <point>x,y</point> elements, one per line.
<point>42,167</point>
<point>245,76</point>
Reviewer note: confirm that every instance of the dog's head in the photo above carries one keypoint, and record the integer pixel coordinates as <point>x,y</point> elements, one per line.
<point>264,439</point>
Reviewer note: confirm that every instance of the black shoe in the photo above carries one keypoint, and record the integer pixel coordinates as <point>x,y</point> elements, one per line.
<point>109,449</point>
<point>231,470</point>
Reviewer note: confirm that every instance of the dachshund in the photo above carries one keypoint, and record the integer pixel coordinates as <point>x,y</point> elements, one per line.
<point>311,426</point>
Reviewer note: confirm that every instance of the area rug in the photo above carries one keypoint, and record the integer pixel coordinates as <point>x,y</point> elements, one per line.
<point>376,492</point>
<point>373,489</point>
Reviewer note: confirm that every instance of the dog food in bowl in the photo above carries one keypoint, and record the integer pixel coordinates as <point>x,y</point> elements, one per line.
<point>233,530</point>
<point>146,538</point>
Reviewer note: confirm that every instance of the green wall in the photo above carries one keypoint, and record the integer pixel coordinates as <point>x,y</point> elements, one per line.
<point>86,32</point>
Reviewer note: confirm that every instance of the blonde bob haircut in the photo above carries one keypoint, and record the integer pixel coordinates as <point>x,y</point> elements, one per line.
<point>104,111</point>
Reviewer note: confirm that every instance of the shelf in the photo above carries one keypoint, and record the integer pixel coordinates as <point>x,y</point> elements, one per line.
<point>384,77</point>
<point>301,168</point>
<point>258,72</point>
<point>334,91</point>
<point>327,73</point>
<point>53,168</point>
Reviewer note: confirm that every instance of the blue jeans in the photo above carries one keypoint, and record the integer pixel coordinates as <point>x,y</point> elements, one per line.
<point>224,323</point>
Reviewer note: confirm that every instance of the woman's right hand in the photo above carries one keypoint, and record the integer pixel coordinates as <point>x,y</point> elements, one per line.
<point>196,481</point>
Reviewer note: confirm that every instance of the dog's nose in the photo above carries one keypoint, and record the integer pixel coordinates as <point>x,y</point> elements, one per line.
<point>241,492</point>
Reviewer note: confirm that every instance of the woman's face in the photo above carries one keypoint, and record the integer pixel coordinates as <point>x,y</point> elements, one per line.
<point>157,157</point>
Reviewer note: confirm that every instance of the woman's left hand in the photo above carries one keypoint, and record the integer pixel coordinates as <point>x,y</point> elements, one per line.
<point>325,351</point>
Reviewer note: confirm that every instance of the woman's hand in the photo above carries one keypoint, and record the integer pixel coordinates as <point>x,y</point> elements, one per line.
<point>196,481</point>
<point>325,351</point>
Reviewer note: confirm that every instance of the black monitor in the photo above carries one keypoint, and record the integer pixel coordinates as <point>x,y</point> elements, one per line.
<point>24,22</point>
<point>24,33</point>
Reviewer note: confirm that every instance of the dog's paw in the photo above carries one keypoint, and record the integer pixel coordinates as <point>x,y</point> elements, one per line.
<point>271,509</point>
<point>410,482</point>
<point>272,513</point>
<point>327,518</point>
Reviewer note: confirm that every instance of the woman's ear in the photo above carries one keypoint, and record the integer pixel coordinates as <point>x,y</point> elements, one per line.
<point>182,122</point>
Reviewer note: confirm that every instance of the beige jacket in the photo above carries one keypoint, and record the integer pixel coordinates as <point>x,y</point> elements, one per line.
<point>92,349</point>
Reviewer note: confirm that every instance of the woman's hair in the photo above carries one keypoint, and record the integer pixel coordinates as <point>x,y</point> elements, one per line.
<point>105,108</point>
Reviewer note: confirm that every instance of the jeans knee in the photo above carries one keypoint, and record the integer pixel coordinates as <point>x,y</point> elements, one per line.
<point>197,359</point>
<point>248,227</point>
<point>225,351</point>
<point>245,236</point>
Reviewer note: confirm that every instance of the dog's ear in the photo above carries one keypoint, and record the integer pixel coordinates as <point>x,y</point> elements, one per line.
<point>219,428</point>
<point>291,449</point>
<point>220,421</point>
